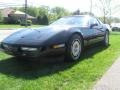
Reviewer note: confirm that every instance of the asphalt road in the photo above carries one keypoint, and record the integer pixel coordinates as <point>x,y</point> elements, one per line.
<point>5,33</point>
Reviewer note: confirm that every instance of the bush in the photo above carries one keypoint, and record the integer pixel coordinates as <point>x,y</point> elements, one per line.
<point>29,22</point>
<point>23,23</point>
<point>1,17</point>
<point>45,20</point>
<point>11,20</point>
<point>42,20</point>
<point>116,29</point>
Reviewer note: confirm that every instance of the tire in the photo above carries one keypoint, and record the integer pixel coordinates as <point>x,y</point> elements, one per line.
<point>106,39</point>
<point>74,48</point>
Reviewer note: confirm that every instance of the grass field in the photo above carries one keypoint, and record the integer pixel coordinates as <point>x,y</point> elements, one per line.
<point>54,74</point>
<point>2,26</point>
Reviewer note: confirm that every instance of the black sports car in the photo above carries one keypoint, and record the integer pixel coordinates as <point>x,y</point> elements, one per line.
<point>70,33</point>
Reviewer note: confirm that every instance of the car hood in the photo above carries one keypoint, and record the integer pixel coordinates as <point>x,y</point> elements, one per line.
<point>35,36</point>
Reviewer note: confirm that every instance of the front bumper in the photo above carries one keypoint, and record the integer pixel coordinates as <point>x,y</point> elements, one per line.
<point>40,52</point>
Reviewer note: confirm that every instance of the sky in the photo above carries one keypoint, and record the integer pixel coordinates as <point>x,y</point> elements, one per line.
<point>71,5</point>
<point>68,4</point>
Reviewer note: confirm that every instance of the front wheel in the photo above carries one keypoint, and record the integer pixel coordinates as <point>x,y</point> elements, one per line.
<point>74,48</point>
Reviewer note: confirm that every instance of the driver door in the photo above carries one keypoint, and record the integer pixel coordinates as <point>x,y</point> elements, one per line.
<point>97,29</point>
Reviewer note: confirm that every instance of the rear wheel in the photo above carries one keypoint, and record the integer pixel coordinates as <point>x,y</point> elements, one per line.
<point>74,48</point>
<point>106,39</point>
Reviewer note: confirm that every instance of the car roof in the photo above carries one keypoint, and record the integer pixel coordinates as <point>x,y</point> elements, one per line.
<point>78,16</point>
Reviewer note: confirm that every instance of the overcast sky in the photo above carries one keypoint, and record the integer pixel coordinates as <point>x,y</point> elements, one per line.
<point>71,5</point>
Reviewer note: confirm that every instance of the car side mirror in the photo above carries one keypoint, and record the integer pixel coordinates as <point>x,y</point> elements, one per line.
<point>93,25</point>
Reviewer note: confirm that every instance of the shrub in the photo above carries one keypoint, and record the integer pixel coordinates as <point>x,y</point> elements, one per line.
<point>43,20</point>
<point>29,22</point>
<point>23,23</point>
<point>1,17</point>
<point>11,19</point>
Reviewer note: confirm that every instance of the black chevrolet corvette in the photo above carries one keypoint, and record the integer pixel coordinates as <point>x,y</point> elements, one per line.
<point>71,33</point>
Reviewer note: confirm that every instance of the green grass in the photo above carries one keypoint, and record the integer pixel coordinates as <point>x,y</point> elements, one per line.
<point>54,74</point>
<point>2,26</point>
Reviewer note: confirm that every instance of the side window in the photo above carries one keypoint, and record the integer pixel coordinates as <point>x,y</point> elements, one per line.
<point>94,21</point>
<point>99,21</point>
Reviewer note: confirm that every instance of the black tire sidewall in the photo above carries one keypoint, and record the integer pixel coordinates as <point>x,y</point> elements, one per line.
<point>104,42</point>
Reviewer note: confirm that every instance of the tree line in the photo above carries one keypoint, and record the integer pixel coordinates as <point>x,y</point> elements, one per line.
<point>45,15</point>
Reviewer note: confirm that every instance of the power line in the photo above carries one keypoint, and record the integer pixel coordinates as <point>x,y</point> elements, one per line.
<point>19,4</point>
<point>9,4</point>
<point>4,5</point>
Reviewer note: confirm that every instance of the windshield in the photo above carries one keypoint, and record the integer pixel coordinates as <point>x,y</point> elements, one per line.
<point>75,20</point>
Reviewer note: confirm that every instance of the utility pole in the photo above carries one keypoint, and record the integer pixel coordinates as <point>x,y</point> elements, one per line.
<point>91,4</point>
<point>26,13</point>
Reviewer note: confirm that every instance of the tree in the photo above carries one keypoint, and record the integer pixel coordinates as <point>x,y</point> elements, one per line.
<point>107,7</point>
<point>43,20</point>
<point>43,10</point>
<point>39,19</point>
<point>103,6</point>
<point>115,20</point>
<point>91,5</point>
<point>87,13</point>
<point>42,17</point>
<point>33,11</point>
<point>12,20</point>
<point>41,13</point>
<point>59,12</point>
<point>77,12</point>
